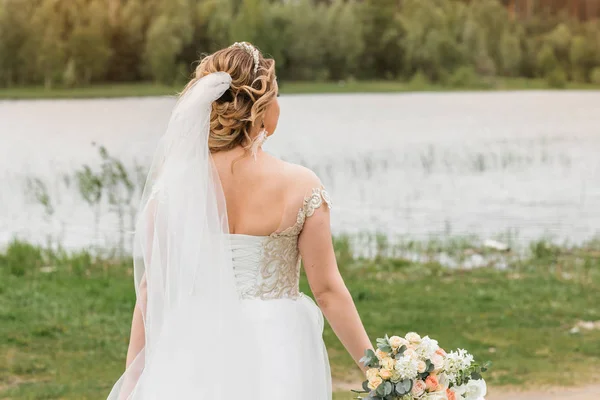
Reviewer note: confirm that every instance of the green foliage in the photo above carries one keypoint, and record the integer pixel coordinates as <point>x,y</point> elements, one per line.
<point>510,53</point>
<point>595,75</point>
<point>38,191</point>
<point>57,43</point>
<point>303,58</point>
<point>21,258</point>
<point>464,76</point>
<point>557,78</point>
<point>88,46</point>
<point>162,47</point>
<point>344,40</point>
<point>546,61</point>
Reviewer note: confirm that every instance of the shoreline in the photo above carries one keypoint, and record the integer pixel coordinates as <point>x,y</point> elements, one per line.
<point>149,89</point>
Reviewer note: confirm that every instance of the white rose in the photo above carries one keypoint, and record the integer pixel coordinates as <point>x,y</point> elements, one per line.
<point>421,366</point>
<point>437,361</point>
<point>396,377</point>
<point>396,342</point>
<point>475,389</point>
<point>413,337</point>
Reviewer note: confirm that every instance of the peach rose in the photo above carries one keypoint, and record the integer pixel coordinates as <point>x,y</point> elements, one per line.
<point>371,373</point>
<point>385,374</point>
<point>375,382</point>
<point>433,385</point>
<point>396,342</point>
<point>450,394</point>
<point>441,352</point>
<point>419,388</point>
<point>410,353</point>
<point>421,367</point>
<point>387,363</point>
<point>381,354</point>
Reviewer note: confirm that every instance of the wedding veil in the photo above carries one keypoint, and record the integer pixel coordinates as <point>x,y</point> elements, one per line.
<point>184,278</point>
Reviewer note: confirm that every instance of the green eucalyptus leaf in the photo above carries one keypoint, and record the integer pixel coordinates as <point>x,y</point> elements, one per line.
<point>403,387</point>
<point>384,389</point>
<point>365,386</point>
<point>385,347</point>
<point>476,376</point>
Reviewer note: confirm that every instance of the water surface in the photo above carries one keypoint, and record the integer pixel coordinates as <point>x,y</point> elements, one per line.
<point>422,165</point>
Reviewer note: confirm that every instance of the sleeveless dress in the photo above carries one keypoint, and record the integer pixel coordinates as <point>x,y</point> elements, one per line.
<point>293,361</point>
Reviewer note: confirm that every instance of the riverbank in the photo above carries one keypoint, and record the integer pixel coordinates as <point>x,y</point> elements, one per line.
<point>145,89</point>
<point>65,318</point>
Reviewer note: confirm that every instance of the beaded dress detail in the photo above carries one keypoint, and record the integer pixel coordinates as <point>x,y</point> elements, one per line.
<point>268,267</point>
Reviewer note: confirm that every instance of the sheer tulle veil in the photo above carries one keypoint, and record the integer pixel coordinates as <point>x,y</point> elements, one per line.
<point>195,343</point>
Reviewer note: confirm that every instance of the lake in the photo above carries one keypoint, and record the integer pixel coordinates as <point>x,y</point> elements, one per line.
<point>518,165</point>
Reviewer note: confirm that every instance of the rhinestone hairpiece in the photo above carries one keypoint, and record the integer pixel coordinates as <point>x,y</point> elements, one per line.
<point>250,50</point>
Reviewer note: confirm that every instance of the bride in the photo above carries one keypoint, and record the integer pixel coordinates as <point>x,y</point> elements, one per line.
<point>219,239</point>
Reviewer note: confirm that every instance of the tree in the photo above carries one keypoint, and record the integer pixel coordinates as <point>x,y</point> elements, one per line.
<point>304,53</point>
<point>344,40</point>
<point>15,30</point>
<point>50,48</point>
<point>510,53</point>
<point>88,45</point>
<point>128,25</point>
<point>167,35</point>
<point>546,61</point>
<point>162,46</point>
<point>383,35</point>
<point>434,39</point>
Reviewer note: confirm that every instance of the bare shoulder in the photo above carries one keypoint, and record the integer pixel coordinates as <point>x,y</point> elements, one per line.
<point>301,178</point>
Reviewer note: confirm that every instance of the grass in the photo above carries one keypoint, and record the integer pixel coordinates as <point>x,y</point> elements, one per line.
<point>64,318</point>
<point>152,89</point>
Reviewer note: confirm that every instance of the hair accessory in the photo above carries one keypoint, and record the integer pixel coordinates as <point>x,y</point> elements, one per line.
<point>250,50</point>
<point>257,142</point>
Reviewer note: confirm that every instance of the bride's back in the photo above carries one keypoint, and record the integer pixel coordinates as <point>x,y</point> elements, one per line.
<point>263,195</point>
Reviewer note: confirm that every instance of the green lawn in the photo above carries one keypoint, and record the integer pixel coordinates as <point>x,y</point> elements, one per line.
<point>151,89</point>
<point>63,334</point>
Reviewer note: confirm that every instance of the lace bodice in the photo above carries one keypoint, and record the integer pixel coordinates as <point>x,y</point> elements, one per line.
<point>268,267</point>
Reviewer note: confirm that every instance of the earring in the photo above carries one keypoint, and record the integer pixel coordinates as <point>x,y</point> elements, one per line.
<point>258,142</point>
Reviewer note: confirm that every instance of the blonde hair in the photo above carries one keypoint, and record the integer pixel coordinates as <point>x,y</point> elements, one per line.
<point>244,104</point>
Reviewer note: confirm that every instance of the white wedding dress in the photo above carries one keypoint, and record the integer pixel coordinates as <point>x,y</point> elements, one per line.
<point>293,362</point>
<point>222,314</point>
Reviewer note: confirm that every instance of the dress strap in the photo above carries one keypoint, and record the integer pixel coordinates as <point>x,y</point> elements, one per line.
<point>315,200</point>
<point>311,203</point>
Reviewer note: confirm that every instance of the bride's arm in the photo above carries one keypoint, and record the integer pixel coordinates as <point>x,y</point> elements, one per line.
<point>137,338</point>
<point>327,285</point>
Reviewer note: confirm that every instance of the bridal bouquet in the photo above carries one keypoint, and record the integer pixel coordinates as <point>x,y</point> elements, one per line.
<point>415,367</point>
